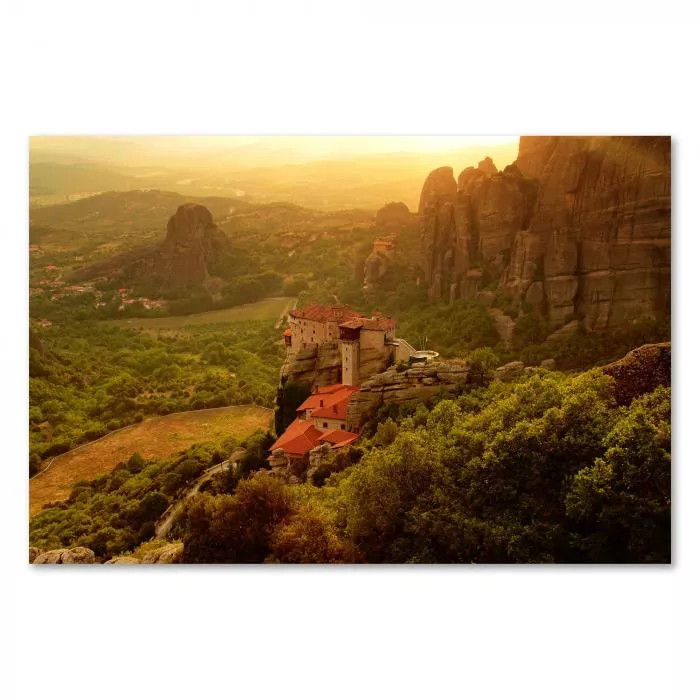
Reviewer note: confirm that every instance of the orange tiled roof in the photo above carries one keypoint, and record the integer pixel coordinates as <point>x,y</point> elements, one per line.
<point>298,438</point>
<point>287,333</point>
<point>321,312</point>
<point>337,409</point>
<point>338,438</point>
<point>328,395</point>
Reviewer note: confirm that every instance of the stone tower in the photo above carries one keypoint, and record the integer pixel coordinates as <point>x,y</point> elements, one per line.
<point>350,351</point>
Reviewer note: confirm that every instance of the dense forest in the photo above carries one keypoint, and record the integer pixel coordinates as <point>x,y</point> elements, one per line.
<point>547,469</point>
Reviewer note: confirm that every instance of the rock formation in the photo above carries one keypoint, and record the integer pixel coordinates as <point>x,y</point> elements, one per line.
<point>169,553</point>
<point>417,384</point>
<point>321,364</point>
<point>393,216</point>
<point>396,226</point>
<point>192,238</point>
<point>76,555</point>
<point>640,371</point>
<point>577,228</point>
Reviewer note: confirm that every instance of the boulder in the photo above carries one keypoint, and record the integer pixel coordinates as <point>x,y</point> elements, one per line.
<point>640,371</point>
<point>76,555</point>
<point>118,561</point>
<point>508,372</point>
<point>168,554</point>
<point>549,364</point>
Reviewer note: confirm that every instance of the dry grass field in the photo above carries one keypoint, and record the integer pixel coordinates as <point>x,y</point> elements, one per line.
<point>270,308</point>
<point>154,438</point>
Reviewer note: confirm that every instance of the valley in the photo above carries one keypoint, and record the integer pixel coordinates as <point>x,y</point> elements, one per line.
<point>157,314</point>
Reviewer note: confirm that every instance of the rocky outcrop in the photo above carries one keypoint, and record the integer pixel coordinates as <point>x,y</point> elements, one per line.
<point>396,227</point>
<point>509,372</point>
<point>192,239</point>
<point>76,555</point>
<point>321,364</point>
<point>577,228</point>
<point>123,561</point>
<point>488,166</point>
<point>170,553</point>
<point>640,371</point>
<point>468,227</point>
<point>393,217</point>
<point>379,261</point>
<point>418,384</point>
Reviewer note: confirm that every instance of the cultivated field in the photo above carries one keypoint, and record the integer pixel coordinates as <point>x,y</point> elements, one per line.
<point>154,438</point>
<point>270,308</point>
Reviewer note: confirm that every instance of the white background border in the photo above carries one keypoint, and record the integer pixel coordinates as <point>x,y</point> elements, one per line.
<point>360,67</point>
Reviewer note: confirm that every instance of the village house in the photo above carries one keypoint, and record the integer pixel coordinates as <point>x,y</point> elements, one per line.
<point>322,418</point>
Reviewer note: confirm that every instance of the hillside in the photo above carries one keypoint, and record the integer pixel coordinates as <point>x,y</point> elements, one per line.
<point>154,438</point>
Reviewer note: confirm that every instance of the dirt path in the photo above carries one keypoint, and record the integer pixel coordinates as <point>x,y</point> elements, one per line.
<point>166,520</point>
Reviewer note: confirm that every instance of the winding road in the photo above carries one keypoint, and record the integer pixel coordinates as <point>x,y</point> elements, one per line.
<point>165,521</point>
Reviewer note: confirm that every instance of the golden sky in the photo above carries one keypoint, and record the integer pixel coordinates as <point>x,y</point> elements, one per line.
<point>265,148</point>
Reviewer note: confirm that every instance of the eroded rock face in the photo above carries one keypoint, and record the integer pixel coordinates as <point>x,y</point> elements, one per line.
<point>321,364</point>
<point>420,383</point>
<point>577,227</point>
<point>190,238</point>
<point>640,371</point>
<point>468,227</point>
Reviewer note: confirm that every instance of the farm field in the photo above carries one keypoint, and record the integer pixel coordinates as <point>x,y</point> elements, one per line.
<point>154,438</point>
<point>270,308</point>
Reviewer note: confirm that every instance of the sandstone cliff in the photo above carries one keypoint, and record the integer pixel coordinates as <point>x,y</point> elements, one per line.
<point>577,228</point>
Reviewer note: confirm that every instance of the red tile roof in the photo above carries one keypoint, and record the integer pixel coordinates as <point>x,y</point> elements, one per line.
<point>352,323</point>
<point>287,333</point>
<point>321,312</point>
<point>338,438</point>
<point>301,437</point>
<point>378,324</point>
<point>329,395</point>
<point>338,410</point>
<point>298,438</point>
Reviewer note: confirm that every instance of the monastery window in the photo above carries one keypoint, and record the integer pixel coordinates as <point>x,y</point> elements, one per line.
<point>342,426</point>
<point>325,425</point>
